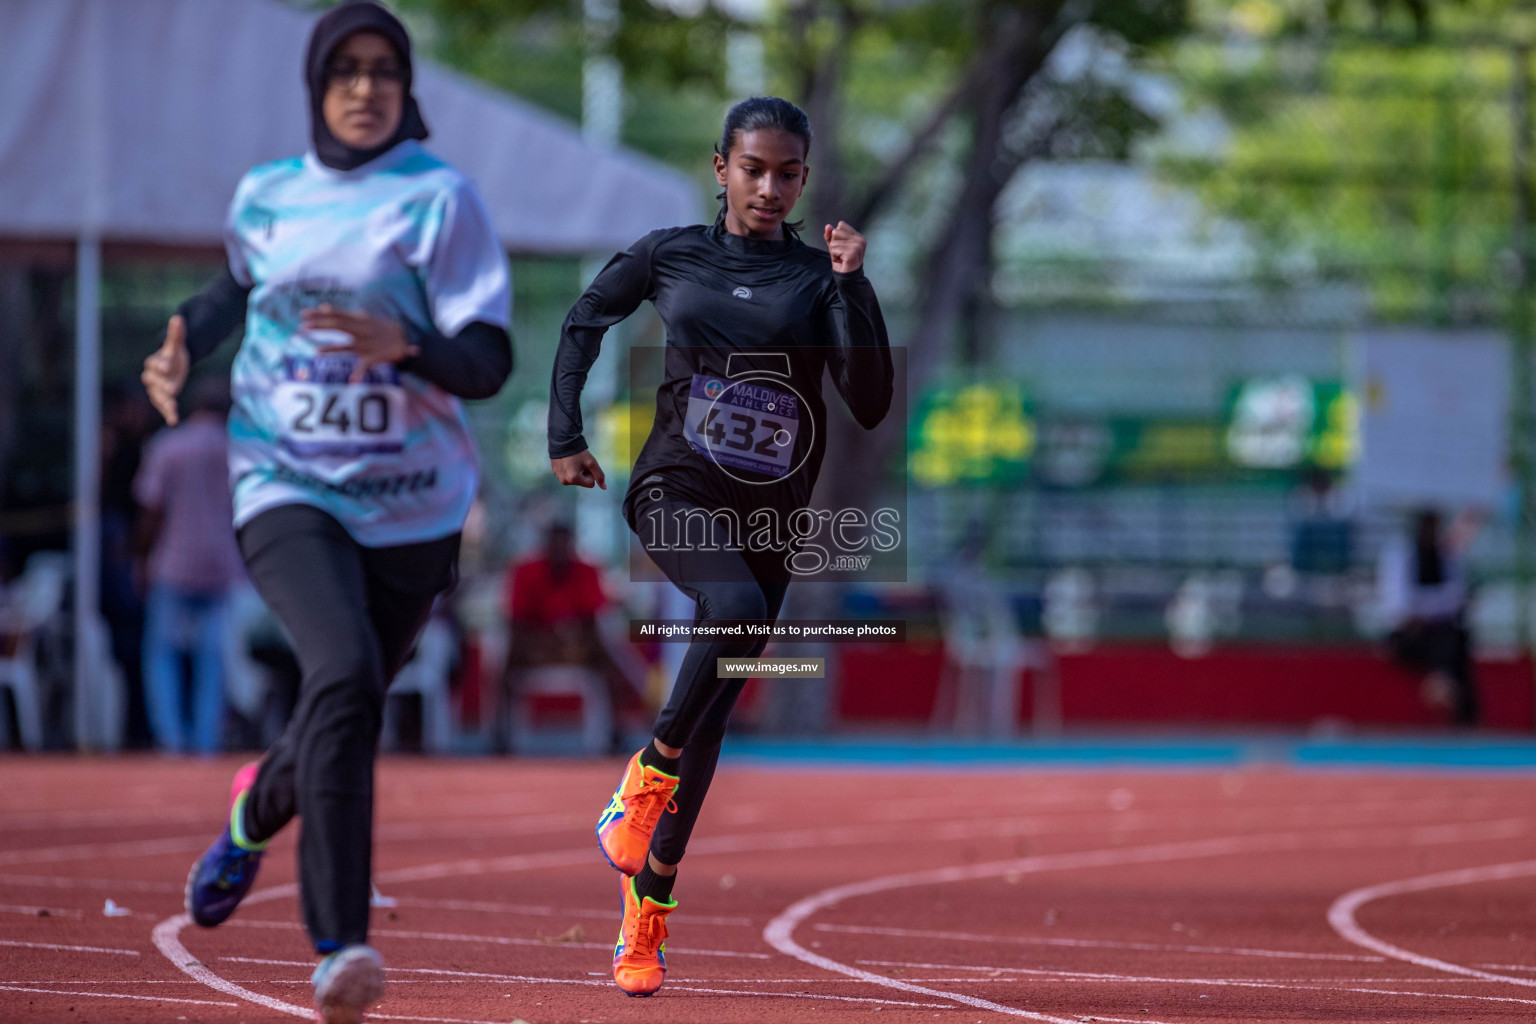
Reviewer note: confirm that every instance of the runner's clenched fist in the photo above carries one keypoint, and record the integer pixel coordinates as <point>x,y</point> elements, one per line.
<point>846,246</point>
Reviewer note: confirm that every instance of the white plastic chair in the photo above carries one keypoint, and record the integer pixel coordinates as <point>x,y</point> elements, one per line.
<point>985,657</point>
<point>564,680</point>
<point>35,597</point>
<point>106,716</point>
<point>426,675</point>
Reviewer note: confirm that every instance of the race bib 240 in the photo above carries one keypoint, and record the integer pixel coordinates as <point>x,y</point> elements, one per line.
<point>322,414</point>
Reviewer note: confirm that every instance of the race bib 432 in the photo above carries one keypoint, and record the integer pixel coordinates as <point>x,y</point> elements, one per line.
<point>743,424</point>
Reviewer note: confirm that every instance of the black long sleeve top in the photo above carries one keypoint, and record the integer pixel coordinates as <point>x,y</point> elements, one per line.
<point>474,363</point>
<point>750,325</point>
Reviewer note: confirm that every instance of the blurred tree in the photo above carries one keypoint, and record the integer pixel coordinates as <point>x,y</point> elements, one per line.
<point>1367,143</point>
<point>923,109</point>
<point>887,83</point>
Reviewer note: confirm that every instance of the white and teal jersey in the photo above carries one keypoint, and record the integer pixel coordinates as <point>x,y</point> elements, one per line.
<point>404,237</point>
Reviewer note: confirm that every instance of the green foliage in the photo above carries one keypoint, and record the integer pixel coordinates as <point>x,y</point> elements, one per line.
<point>1380,157</point>
<point>893,64</point>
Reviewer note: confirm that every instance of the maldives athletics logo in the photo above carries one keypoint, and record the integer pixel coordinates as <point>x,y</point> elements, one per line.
<point>714,389</point>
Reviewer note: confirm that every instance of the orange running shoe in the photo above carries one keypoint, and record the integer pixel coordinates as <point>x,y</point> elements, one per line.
<point>640,956</point>
<point>624,831</point>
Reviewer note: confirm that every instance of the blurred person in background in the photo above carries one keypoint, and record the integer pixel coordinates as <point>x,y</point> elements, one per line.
<point>1422,591</point>
<point>552,602</point>
<point>1322,527</point>
<point>375,295</point>
<point>184,532</point>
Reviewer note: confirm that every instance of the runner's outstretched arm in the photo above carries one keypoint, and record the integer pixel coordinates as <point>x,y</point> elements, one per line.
<point>616,292</point>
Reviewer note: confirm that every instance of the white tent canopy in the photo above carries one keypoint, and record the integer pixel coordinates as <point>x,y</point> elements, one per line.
<point>134,119</point>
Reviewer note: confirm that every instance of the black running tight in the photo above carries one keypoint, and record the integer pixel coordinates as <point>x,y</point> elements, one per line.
<point>727,584</point>
<point>353,614</point>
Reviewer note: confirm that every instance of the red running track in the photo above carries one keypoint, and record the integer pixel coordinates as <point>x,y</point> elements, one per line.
<point>1176,896</point>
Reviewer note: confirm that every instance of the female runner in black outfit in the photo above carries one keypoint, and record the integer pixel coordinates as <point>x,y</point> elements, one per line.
<point>743,295</point>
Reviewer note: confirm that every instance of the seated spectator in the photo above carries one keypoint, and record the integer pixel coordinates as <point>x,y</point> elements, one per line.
<point>553,601</point>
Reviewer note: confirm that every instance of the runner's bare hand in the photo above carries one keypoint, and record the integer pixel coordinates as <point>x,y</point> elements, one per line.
<point>580,470</point>
<point>165,371</point>
<point>375,340</point>
<point>846,246</point>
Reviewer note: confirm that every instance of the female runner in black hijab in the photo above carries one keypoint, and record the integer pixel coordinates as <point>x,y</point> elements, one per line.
<point>753,318</point>
<point>375,295</point>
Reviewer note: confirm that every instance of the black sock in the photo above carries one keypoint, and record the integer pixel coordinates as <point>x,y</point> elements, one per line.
<point>657,887</point>
<point>653,758</point>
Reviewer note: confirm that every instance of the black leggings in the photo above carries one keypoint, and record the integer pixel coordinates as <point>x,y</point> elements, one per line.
<point>1441,647</point>
<point>353,613</point>
<point>726,584</point>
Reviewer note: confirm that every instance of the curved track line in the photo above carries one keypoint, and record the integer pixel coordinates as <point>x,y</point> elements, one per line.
<point>167,939</point>
<point>1341,915</point>
<point>166,934</point>
<point>779,932</point>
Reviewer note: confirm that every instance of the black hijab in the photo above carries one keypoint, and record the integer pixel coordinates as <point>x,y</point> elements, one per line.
<point>329,32</point>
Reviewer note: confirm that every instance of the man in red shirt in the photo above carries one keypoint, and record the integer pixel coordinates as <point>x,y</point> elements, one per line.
<point>553,601</point>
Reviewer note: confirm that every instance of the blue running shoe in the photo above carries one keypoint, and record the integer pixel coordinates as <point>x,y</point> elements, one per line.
<point>225,873</point>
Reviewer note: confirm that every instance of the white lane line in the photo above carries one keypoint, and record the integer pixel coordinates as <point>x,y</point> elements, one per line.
<point>487,865</point>
<point>110,884</point>
<point>84,851</point>
<point>1028,940</point>
<point>780,931</point>
<point>68,949</point>
<point>1316,984</point>
<point>8,908</point>
<point>405,831</point>
<point>815,995</point>
<point>536,911</point>
<point>533,979</point>
<point>1044,971</point>
<point>430,1020</point>
<point>113,995</point>
<point>1341,915</point>
<point>692,987</point>
<point>499,940</point>
<point>104,981</point>
<point>95,819</point>
<point>1507,967</point>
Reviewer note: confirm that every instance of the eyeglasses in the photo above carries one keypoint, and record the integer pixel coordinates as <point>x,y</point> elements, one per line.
<point>347,75</point>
